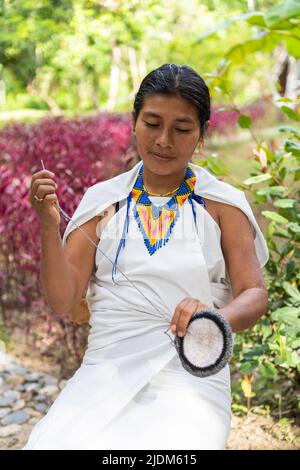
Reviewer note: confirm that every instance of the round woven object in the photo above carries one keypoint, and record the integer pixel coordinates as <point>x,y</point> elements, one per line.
<point>207,344</point>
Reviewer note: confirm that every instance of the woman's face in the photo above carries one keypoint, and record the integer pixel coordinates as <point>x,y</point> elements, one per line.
<point>168,126</point>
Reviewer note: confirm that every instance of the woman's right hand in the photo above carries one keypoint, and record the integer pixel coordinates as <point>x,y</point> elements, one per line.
<point>44,186</point>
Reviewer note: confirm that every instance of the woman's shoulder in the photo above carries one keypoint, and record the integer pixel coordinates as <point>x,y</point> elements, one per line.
<point>213,208</point>
<point>224,213</point>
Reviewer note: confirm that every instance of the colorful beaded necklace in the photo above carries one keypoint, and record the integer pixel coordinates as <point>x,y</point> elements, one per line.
<point>156,223</point>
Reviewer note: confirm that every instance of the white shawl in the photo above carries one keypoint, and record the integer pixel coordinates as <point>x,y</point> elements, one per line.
<point>101,195</point>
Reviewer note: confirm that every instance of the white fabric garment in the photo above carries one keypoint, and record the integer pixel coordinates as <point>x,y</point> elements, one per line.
<point>131,391</point>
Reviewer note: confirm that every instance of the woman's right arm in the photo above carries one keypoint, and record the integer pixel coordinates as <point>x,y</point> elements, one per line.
<point>64,271</point>
<point>58,278</point>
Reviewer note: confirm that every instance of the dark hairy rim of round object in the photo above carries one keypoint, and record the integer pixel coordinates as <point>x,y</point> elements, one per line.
<point>223,324</point>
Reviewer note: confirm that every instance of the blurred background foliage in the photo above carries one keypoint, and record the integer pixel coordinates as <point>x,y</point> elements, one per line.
<point>69,71</point>
<point>81,55</point>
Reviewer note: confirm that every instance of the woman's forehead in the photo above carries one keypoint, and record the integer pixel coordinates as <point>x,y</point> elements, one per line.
<point>160,106</point>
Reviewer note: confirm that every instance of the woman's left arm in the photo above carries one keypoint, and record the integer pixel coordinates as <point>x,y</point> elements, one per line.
<point>248,287</point>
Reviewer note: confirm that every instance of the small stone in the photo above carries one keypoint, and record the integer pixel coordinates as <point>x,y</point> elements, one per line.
<point>33,413</point>
<point>32,387</point>
<point>30,403</point>
<point>27,396</point>
<point>6,401</point>
<point>34,420</point>
<point>16,369</point>
<point>33,376</point>
<point>4,412</point>
<point>41,407</point>
<point>13,394</point>
<point>17,417</point>
<point>49,390</point>
<point>40,398</point>
<point>49,380</point>
<point>19,405</point>
<point>62,384</point>
<point>10,430</point>
<point>5,361</point>
<point>15,380</point>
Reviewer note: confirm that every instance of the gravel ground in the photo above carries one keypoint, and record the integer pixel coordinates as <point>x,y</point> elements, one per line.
<point>253,432</point>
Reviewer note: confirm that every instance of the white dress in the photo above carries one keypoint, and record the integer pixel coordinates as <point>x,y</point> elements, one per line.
<point>131,391</point>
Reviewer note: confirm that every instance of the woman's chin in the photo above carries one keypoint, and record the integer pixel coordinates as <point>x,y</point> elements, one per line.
<point>160,166</point>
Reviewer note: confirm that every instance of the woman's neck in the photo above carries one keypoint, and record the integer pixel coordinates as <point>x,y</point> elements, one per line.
<point>160,184</point>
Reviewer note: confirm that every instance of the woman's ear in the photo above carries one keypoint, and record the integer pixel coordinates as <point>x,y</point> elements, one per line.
<point>207,124</point>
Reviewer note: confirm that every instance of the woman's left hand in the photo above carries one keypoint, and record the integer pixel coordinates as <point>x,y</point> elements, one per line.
<point>183,312</point>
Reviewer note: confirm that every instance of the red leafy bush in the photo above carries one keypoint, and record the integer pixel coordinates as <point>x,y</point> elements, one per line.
<point>224,119</point>
<point>81,152</point>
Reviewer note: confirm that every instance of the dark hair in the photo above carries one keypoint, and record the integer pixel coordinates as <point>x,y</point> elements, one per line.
<point>175,80</point>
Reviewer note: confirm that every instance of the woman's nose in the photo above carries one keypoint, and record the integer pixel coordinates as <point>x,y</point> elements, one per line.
<point>163,139</point>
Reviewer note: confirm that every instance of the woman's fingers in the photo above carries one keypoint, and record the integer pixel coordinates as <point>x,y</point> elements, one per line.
<point>42,191</point>
<point>41,174</point>
<point>178,312</point>
<point>44,188</point>
<point>183,313</point>
<point>38,182</point>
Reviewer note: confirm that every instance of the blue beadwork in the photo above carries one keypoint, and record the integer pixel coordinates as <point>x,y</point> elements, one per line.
<point>121,245</point>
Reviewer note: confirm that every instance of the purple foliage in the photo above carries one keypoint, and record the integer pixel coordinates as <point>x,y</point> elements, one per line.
<point>81,152</point>
<point>225,120</point>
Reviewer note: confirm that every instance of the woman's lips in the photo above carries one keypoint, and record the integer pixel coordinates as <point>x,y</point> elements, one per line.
<point>159,157</point>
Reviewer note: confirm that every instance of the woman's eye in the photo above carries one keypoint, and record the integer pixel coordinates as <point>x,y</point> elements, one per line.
<point>151,125</point>
<point>155,125</point>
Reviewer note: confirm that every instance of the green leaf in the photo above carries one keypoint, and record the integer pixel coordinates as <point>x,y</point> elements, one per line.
<point>292,358</point>
<point>294,227</point>
<point>291,290</point>
<point>291,129</point>
<point>290,113</point>
<point>267,370</point>
<point>281,232</point>
<point>285,203</point>
<point>265,41</point>
<point>292,147</point>
<point>271,191</point>
<point>257,179</point>
<point>293,46</point>
<point>244,121</point>
<point>284,11</point>
<point>255,17</point>
<point>217,166</point>
<point>246,368</point>
<point>292,330</point>
<point>287,315</point>
<point>256,352</point>
<point>274,216</point>
<point>237,408</point>
<point>295,344</point>
<point>284,100</point>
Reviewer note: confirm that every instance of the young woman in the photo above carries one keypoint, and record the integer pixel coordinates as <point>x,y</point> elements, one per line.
<point>172,239</point>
